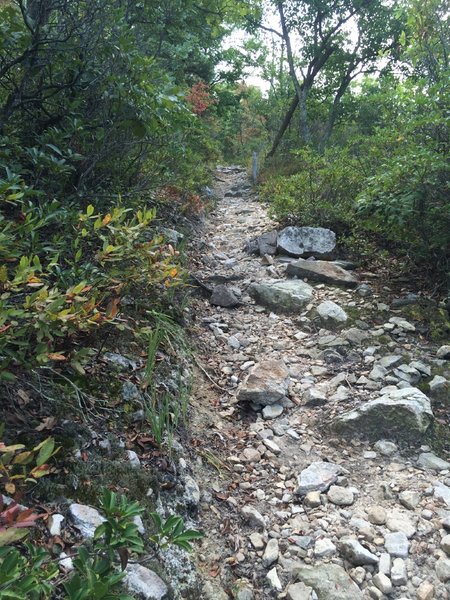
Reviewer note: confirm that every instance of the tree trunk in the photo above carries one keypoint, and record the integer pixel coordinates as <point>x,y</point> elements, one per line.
<point>283,127</point>
<point>301,90</point>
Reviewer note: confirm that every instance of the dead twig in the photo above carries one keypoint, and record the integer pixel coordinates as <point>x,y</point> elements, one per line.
<point>205,372</point>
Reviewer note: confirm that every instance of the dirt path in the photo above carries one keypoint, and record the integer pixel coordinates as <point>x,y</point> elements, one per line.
<point>381,530</point>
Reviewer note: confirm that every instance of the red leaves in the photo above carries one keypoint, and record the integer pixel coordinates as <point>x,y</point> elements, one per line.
<point>13,519</point>
<point>200,98</point>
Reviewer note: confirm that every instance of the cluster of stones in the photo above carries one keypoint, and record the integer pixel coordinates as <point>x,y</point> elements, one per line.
<point>337,511</point>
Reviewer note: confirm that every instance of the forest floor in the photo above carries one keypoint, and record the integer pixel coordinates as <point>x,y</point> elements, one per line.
<point>382,529</point>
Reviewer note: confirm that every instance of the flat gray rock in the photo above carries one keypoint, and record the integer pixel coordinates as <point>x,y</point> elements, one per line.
<point>429,460</point>
<point>267,243</point>
<point>355,553</point>
<point>403,413</point>
<point>319,476</point>
<point>272,411</point>
<point>329,581</point>
<point>323,271</point>
<point>397,544</point>
<point>145,582</point>
<point>223,296</point>
<point>266,383</point>
<point>306,241</point>
<point>298,591</point>
<point>282,296</point>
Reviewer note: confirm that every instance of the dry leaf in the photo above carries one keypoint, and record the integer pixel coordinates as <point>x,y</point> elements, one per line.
<point>47,423</point>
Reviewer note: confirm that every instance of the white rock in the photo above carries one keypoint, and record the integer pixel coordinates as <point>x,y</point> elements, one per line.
<point>299,591</point>
<point>438,385</point>
<point>445,544</point>
<point>399,521</point>
<point>318,476</point>
<point>444,352</point>
<point>398,572</point>
<point>145,582</point>
<point>384,565</point>
<point>54,524</point>
<point>272,446</point>
<point>65,561</point>
<point>254,517</point>
<point>431,461</point>
<point>376,514</point>
<point>409,498</point>
<point>397,544</point>
<point>330,311</point>
<point>273,580</point>
<point>86,519</point>
<point>257,541</point>
<point>405,413</point>
<point>443,569</point>
<point>385,447</point>
<point>133,459</point>
<point>355,553</point>
<point>340,496</point>
<point>324,548</point>
<point>266,383</point>
<point>191,491</point>
<point>442,492</point>
<point>383,583</point>
<point>425,591</point>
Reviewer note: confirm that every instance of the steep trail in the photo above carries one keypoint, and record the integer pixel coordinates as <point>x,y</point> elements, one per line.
<point>381,530</point>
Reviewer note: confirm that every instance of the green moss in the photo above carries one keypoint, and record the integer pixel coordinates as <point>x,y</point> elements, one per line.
<point>85,479</point>
<point>438,437</point>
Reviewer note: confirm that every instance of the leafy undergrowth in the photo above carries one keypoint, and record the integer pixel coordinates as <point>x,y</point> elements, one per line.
<point>95,364</point>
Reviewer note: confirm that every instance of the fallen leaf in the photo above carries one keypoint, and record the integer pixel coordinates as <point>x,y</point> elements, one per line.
<point>221,496</point>
<point>47,423</point>
<point>10,488</point>
<point>23,396</point>
<point>56,356</point>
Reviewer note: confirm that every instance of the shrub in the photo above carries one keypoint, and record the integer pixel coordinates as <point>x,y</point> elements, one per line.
<point>70,285</point>
<point>321,193</point>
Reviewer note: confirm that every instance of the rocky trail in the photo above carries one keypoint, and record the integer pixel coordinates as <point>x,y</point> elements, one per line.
<point>312,421</point>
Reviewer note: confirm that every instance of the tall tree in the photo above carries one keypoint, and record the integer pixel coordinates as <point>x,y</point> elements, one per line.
<point>334,42</point>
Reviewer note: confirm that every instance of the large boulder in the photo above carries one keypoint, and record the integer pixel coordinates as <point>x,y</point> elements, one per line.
<point>282,296</point>
<point>403,414</point>
<point>306,241</point>
<point>321,270</point>
<point>329,581</point>
<point>267,383</point>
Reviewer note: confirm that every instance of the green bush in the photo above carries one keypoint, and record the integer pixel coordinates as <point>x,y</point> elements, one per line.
<point>320,194</point>
<point>70,284</point>
<point>98,570</point>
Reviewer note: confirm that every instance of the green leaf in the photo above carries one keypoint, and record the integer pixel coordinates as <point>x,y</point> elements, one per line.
<point>45,452</point>
<point>9,536</point>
